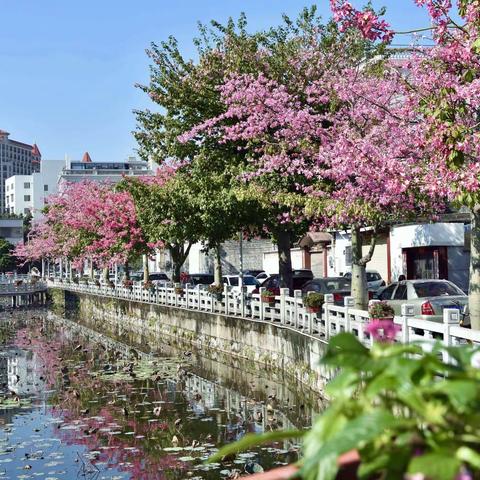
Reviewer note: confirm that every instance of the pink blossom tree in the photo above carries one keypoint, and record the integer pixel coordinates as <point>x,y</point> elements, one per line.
<point>88,221</point>
<point>342,134</point>
<point>443,91</point>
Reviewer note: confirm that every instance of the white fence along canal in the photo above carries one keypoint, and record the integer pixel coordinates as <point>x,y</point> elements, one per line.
<point>287,312</point>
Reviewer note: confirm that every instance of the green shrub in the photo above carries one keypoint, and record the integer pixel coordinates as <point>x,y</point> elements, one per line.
<point>313,300</point>
<point>381,310</point>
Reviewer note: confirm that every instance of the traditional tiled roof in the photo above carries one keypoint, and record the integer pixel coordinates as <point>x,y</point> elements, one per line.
<point>36,151</point>
<point>86,158</point>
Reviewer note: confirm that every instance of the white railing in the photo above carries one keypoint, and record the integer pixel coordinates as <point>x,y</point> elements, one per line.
<point>21,288</point>
<point>289,312</point>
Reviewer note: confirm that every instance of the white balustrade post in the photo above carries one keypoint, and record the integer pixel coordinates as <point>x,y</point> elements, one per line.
<point>348,303</point>
<point>328,300</point>
<point>283,301</point>
<point>175,286</point>
<point>451,316</point>
<point>225,297</point>
<point>262,303</point>
<point>297,295</point>
<point>243,293</point>
<point>213,299</point>
<point>408,311</point>
<point>187,288</point>
<point>200,293</point>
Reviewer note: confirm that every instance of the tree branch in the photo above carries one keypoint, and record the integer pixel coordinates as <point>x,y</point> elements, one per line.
<point>373,242</point>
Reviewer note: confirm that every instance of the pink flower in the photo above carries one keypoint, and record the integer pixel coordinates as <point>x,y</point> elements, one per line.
<point>382,330</point>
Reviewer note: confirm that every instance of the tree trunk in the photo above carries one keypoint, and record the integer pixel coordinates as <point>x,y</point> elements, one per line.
<point>127,270</point>
<point>105,274</point>
<point>359,275</point>
<point>474,288</point>
<point>179,254</point>
<point>284,259</point>
<point>145,268</point>
<point>217,269</point>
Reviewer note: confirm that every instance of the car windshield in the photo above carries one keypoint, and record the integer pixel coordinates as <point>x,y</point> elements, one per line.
<point>158,276</point>
<point>249,281</point>
<point>436,289</point>
<point>372,277</point>
<point>201,279</point>
<point>336,284</point>
<point>233,281</point>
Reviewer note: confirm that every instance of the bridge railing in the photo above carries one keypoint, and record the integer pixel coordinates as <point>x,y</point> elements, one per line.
<point>289,312</point>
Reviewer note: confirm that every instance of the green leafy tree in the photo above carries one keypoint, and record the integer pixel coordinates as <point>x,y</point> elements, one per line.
<point>7,259</point>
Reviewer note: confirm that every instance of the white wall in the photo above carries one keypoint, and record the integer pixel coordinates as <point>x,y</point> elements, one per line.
<point>424,235</point>
<point>270,260</point>
<point>48,176</point>
<point>16,186</point>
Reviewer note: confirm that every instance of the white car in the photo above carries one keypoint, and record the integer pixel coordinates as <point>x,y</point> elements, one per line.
<point>262,276</point>
<point>249,282</point>
<point>374,280</point>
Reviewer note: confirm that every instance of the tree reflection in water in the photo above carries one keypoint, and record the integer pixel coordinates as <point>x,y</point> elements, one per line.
<point>148,417</point>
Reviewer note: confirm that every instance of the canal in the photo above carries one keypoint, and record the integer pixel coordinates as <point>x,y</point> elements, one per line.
<point>81,403</point>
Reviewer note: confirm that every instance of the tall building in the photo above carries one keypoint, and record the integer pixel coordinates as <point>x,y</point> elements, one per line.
<point>27,193</point>
<point>16,158</point>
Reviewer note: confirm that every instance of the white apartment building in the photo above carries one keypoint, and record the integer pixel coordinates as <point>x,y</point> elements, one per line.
<point>86,169</point>
<point>27,193</point>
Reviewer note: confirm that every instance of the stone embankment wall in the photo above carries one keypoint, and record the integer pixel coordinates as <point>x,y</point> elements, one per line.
<point>274,346</point>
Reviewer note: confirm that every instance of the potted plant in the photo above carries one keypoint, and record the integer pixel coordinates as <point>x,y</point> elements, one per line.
<point>75,280</point>
<point>216,291</point>
<point>97,283</point>
<point>110,284</point>
<point>18,283</point>
<point>127,283</point>
<point>313,302</point>
<point>381,311</point>
<point>148,285</point>
<point>268,297</point>
<point>398,409</point>
<point>179,291</point>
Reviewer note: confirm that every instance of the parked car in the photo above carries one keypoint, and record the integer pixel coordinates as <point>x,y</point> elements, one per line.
<point>158,278</point>
<point>233,281</point>
<point>136,276</point>
<point>253,273</point>
<point>262,276</point>
<point>340,287</point>
<point>429,298</point>
<point>200,279</point>
<point>299,279</point>
<point>374,280</point>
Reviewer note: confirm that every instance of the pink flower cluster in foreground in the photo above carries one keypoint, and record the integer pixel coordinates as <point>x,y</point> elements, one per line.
<point>382,330</point>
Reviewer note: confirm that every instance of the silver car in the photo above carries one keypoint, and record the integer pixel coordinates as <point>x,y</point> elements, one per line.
<point>374,280</point>
<point>429,298</point>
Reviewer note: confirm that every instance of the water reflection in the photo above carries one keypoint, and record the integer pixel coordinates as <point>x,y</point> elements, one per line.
<point>77,402</point>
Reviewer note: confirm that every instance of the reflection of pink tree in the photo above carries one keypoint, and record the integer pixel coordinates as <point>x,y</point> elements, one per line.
<point>104,428</point>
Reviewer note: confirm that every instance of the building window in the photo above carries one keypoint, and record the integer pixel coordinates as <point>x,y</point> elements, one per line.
<point>26,185</point>
<point>348,255</point>
<point>26,198</point>
<point>45,188</point>
<point>11,197</point>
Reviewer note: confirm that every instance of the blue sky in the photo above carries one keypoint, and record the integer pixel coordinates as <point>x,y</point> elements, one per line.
<point>68,68</point>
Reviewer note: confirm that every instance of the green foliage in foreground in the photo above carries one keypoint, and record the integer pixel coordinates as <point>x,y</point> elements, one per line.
<point>403,409</point>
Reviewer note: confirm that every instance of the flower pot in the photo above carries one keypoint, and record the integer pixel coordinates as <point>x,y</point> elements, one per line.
<point>347,462</point>
<point>314,309</point>
<point>269,299</point>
